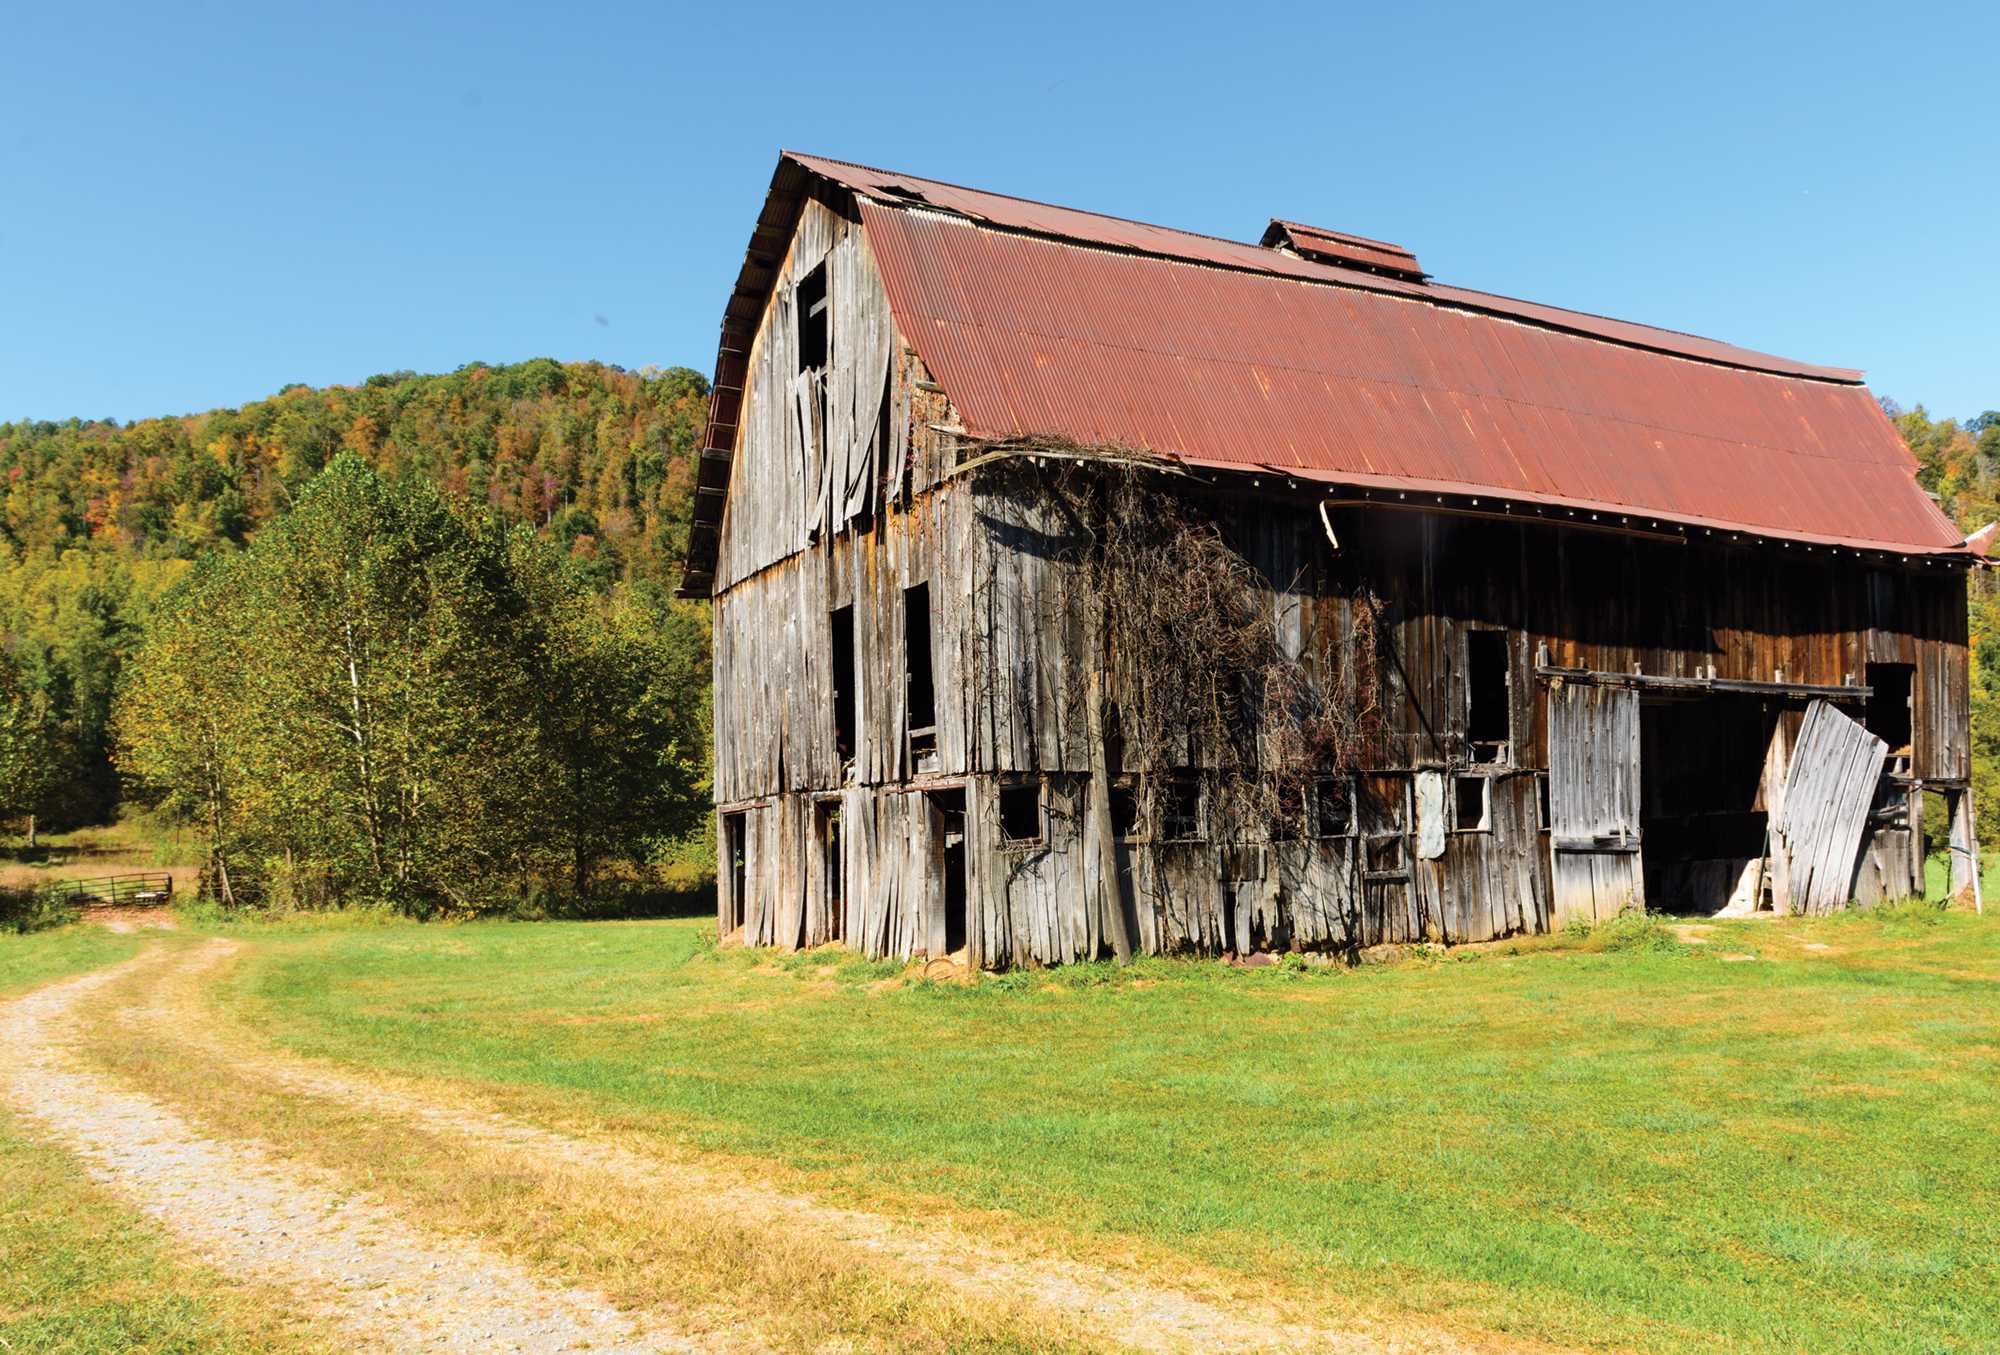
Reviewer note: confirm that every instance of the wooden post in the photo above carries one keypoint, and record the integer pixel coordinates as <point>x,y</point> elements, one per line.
<point>1103,847</point>
<point>1964,850</point>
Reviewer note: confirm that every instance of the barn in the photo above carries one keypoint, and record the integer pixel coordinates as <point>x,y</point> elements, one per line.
<point>1083,587</point>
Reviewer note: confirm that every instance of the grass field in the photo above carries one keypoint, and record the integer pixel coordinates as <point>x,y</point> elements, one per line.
<point>81,1274</point>
<point>1778,1139</point>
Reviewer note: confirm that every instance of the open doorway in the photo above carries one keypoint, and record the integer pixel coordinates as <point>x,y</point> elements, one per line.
<point>948,837</point>
<point>826,833</point>
<point>733,852</point>
<point>1703,807</point>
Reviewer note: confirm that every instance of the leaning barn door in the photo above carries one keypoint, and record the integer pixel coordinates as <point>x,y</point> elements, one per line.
<point>1816,834</point>
<point>1594,802</point>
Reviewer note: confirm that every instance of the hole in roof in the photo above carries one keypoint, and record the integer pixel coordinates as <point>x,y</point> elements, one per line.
<point>903,190</point>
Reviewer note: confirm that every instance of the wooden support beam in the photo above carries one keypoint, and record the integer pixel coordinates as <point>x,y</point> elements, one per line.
<point>1704,685</point>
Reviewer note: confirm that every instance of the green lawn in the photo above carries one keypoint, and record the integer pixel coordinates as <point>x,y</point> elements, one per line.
<point>79,1272</point>
<point>1937,877</point>
<point>1671,1147</point>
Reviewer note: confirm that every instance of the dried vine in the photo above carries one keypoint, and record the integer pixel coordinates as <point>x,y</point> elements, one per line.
<point>1184,629</point>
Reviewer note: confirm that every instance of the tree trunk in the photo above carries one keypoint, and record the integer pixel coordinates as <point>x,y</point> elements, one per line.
<point>217,858</point>
<point>31,832</point>
<point>357,710</point>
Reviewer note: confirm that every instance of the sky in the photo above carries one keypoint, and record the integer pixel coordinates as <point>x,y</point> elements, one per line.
<point>200,204</point>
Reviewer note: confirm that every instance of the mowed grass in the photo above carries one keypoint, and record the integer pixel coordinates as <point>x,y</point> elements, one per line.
<point>80,1273</point>
<point>1781,1139</point>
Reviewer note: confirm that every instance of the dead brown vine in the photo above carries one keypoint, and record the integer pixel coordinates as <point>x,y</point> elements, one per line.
<point>1183,627</point>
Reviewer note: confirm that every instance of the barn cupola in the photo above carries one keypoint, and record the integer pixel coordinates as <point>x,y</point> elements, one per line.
<point>1347,251</point>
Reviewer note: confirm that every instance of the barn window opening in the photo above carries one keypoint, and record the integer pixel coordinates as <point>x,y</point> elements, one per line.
<point>918,684</point>
<point>1288,812</point>
<point>1180,808</point>
<point>1124,813</point>
<point>1472,803</point>
<point>827,828</point>
<point>733,847</point>
<point>1382,814</point>
<point>1333,807</point>
<point>1542,802</point>
<point>1385,856</point>
<point>812,314</point>
<point>1021,814</point>
<point>1487,734</point>
<point>1888,717</point>
<point>842,626</point>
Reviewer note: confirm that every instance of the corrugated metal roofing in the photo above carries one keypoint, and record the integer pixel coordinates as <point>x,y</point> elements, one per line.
<point>1045,322</point>
<point>1020,214</point>
<point>1338,247</point>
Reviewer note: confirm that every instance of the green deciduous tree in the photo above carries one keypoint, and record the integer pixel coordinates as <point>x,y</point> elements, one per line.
<point>383,698</point>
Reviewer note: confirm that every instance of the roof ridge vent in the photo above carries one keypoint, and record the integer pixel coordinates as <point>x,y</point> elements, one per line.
<point>1347,251</point>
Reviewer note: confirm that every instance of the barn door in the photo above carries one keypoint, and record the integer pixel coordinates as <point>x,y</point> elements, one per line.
<point>1594,802</point>
<point>1829,791</point>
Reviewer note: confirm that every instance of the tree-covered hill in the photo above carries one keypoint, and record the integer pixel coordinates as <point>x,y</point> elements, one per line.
<point>100,517</point>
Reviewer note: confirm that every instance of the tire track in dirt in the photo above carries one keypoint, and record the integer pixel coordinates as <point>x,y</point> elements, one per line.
<point>1132,1309</point>
<point>352,1262</point>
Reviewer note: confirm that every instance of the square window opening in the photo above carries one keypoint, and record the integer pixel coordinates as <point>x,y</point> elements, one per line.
<point>1180,809</point>
<point>1288,812</point>
<point>1385,856</point>
<point>1021,814</point>
<point>1472,804</point>
<point>1333,807</point>
<point>1124,813</point>
<point>812,317</point>
<point>1888,717</point>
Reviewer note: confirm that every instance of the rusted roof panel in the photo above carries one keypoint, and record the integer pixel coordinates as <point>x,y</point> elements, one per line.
<point>1043,321</point>
<point>1339,247</point>
<point>1033,336</point>
<point>1021,214</point>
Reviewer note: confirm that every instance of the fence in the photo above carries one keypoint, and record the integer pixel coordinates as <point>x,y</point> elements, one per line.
<point>153,887</point>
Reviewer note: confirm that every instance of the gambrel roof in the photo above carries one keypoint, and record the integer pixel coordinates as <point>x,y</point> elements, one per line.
<point>1331,358</point>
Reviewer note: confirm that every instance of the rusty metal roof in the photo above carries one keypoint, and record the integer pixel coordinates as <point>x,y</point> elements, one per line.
<point>1339,247</point>
<point>1045,322</point>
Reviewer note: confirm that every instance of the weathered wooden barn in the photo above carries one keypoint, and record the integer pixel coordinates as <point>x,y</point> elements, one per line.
<point>1080,585</point>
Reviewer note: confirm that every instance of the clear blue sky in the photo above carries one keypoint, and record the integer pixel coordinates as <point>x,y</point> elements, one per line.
<point>202,203</point>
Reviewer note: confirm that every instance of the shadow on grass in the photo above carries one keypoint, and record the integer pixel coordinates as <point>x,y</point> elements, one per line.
<point>690,899</point>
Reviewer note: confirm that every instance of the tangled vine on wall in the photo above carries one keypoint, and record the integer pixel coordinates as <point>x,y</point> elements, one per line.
<point>1183,626</point>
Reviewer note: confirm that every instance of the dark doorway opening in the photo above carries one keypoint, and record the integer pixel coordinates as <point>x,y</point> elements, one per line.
<point>948,832</point>
<point>1703,807</point>
<point>826,831</point>
<point>733,849</point>
<point>842,627</point>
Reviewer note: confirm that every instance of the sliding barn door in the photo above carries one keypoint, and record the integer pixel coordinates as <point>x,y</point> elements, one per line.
<point>1594,802</point>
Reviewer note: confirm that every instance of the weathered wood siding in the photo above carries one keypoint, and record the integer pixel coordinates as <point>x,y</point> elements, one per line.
<point>845,490</point>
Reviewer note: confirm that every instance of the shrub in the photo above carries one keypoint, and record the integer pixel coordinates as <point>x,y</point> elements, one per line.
<point>47,905</point>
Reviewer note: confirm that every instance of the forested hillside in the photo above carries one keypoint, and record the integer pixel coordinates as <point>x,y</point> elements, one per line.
<point>101,519</point>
